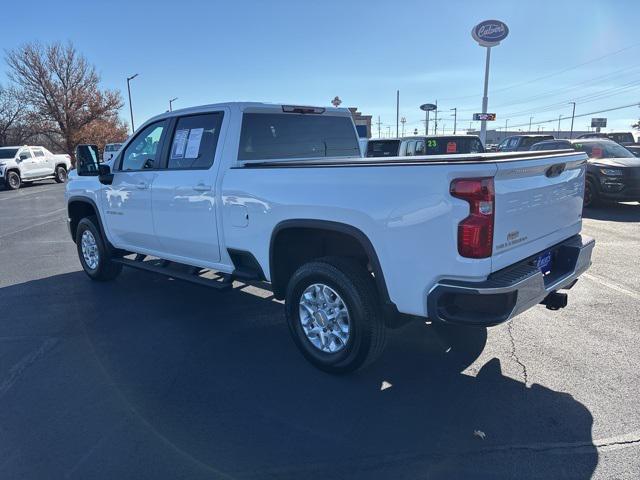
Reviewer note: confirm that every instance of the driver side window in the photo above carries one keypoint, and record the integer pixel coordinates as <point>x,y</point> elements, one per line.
<point>144,151</point>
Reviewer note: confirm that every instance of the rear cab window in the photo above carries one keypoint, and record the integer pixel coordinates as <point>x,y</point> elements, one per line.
<point>272,136</point>
<point>383,148</point>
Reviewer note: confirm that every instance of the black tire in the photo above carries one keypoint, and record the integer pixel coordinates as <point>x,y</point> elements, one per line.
<point>591,196</point>
<point>12,180</point>
<point>105,268</point>
<point>367,331</point>
<point>60,175</point>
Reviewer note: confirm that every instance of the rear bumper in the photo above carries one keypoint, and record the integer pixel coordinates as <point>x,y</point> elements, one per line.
<point>512,290</point>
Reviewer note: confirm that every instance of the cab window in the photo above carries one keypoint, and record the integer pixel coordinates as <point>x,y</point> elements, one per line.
<point>25,154</point>
<point>38,152</point>
<point>194,141</point>
<point>419,147</point>
<point>144,150</point>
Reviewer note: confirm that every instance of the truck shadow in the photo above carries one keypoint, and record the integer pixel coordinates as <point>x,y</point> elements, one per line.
<point>217,377</point>
<point>614,212</point>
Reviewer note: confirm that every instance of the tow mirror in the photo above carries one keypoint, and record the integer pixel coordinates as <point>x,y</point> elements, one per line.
<point>87,160</point>
<point>104,174</point>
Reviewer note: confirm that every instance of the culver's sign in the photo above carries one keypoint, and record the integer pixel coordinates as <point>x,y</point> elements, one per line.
<point>490,32</point>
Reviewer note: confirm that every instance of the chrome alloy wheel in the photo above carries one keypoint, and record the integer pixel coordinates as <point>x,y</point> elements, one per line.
<point>90,250</point>
<point>324,318</point>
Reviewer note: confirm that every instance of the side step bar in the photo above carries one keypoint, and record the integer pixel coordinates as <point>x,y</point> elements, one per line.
<point>192,274</point>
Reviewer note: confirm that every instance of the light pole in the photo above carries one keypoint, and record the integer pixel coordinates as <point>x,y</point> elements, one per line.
<point>403,121</point>
<point>530,118</point>
<point>573,115</point>
<point>455,119</point>
<point>133,128</point>
<point>506,122</point>
<point>170,102</point>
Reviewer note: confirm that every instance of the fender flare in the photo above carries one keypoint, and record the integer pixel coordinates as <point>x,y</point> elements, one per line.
<point>339,227</point>
<point>89,201</point>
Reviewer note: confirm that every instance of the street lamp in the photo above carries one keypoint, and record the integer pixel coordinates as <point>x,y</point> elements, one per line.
<point>170,102</point>
<point>133,128</point>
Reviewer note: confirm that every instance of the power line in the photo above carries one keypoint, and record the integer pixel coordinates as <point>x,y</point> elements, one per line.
<point>581,115</point>
<point>553,74</point>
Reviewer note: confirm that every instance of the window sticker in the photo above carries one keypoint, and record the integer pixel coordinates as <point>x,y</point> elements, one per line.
<point>452,147</point>
<point>179,143</point>
<point>193,145</point>
<point>432,144</point>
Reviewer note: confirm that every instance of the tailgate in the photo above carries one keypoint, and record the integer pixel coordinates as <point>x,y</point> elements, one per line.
<point>538,204</point>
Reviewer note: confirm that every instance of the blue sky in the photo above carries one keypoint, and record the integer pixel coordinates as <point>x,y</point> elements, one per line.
<point>307,52</point>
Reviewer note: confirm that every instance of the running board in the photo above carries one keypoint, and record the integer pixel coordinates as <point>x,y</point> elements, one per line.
<point>221,281</point>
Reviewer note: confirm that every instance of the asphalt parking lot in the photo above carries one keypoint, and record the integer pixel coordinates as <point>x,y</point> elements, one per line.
<point>146,377</point>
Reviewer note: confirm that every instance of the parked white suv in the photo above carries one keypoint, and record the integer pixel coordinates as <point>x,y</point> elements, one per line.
<point>31,163</point>
<point>280,194</point>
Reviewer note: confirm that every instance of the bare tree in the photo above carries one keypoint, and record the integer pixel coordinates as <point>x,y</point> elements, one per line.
<point>13,116</point>
<point>62,88</point>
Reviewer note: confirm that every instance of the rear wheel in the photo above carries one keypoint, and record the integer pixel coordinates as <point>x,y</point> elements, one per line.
<point>93,254</point>
<point>60,174</point>
<point>591,198</point>
<point>12,180</point>
<point>333,313</point>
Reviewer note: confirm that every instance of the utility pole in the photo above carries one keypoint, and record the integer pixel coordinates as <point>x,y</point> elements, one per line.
<point>573,115</point>
<point>403,121</point>
<point>506,122</point>
<point>559,118</point>
<point>133,128</point>
<point>435,121</point>
<point>397,113</point>
<point>170,102</point>
<point>455,119</point>
<point>379,123</point>
<point>389,131</point>
<point>530,118</point>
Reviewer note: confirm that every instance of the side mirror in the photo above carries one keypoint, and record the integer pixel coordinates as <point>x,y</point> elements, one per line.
<point>23,156</point>
<point>87,160</point>
<point>105,176</point>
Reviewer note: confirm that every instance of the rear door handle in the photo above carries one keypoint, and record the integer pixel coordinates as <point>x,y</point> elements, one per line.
<point>201,187</point>
<point>142,186</point>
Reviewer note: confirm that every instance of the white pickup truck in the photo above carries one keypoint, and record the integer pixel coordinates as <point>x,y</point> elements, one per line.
<point>279,194</point>
<point>31,163</point>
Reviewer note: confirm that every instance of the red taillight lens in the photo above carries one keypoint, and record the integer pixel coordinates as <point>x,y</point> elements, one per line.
<point>475,233</point>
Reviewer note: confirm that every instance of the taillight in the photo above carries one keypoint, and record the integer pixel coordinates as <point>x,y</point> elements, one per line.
<point>475,233</point>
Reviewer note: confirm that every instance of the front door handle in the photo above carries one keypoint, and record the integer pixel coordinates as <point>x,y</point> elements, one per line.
<point>142,186</point>
<point>201,187</point>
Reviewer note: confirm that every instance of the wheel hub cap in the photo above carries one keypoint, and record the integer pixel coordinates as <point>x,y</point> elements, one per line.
<point>89,249</point>
<point>324,318</point>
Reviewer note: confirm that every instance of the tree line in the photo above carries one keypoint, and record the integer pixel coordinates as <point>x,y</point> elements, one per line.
<point>53,98</point>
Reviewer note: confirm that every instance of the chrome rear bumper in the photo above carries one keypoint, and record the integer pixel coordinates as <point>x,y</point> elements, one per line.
<point>512,290</point>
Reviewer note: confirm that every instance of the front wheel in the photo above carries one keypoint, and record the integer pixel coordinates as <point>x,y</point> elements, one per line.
<point>94,256</point>
<point>334,316</point>
<point>60,175</point>
<point>12,180</point>
<point>591,198</point>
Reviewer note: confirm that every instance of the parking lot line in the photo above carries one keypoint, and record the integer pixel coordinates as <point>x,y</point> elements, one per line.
<point>612,286</point>
<point>28,194</point>
<point>4,235</point>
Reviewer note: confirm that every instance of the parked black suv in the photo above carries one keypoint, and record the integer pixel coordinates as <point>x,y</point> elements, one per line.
<point>613,172</point>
